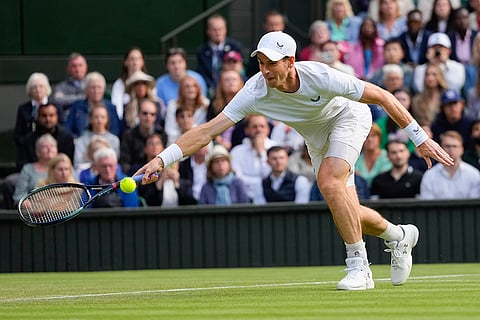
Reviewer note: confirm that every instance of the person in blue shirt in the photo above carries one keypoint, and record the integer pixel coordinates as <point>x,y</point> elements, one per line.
<point>105,163</point>
<point>176,65</point>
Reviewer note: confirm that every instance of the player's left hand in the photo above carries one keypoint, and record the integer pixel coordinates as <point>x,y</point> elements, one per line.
<point>432,150</point>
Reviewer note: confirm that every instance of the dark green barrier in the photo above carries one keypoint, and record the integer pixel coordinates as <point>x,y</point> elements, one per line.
<point>240,236</point>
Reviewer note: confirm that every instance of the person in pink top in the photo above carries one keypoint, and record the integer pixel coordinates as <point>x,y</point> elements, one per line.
<point>366,54</point>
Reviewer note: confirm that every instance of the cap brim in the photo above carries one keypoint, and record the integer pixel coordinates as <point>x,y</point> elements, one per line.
<point>272,55</point>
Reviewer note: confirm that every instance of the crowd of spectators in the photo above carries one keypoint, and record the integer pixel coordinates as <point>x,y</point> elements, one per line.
<point>427,56</point>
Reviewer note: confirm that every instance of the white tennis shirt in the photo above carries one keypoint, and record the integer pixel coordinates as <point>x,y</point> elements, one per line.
<point>324,92</point>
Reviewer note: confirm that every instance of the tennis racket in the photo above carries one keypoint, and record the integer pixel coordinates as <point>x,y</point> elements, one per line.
<point>59,202</point>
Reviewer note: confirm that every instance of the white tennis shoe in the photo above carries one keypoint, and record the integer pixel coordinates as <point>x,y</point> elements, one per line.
<point>359,275</point>
<point>401,251</point>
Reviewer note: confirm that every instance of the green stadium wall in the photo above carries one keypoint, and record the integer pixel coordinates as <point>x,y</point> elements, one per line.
<point>240,236</point>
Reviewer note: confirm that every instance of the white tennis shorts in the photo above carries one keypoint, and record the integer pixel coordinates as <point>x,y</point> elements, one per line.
<point>343,138</point>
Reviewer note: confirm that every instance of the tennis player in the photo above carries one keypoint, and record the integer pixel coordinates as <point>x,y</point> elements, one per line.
<point>328,108</point>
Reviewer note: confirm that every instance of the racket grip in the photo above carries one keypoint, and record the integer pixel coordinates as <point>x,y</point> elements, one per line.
<point>139,177</point>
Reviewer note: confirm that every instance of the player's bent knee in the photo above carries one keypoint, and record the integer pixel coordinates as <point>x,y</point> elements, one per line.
<point>331,187</point>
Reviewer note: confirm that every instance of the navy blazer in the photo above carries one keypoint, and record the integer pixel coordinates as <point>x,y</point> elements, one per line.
<point>204,59</point>
<point>77,120</point>
<point>453,39</point>
<point>423,47</point>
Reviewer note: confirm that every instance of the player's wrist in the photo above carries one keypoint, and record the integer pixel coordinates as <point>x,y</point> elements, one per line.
<point>416,133</point>
<point>170,155</point>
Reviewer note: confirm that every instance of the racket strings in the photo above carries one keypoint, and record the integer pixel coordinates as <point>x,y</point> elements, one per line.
<point>53,204</point>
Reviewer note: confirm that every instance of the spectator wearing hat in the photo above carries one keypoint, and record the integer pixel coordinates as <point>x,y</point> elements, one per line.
<point>77,120</point>
<point>439,50</point>
<point>133,60</point>
<point>232,60</point>
<point>222,187</point>
<point>176,65</point>
<point>452,117</point>
<point>281,184</point>
<point>402,181</point>
<point>141,86</point>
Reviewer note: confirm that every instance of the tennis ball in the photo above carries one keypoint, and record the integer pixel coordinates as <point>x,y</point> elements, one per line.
<point>128,185</point>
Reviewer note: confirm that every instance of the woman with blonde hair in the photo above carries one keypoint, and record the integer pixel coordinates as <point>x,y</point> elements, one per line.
<point>426,104</point>
<point>391,24</point>
<point>229,83</point>
<point>343,24</point>
<point>60,170</point>
<point>190,95</point>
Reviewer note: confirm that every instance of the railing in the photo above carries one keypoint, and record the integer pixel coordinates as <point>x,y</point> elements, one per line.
<point>172,34</point>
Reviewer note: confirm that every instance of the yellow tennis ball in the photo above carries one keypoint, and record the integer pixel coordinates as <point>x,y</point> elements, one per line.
<point>128,185</point>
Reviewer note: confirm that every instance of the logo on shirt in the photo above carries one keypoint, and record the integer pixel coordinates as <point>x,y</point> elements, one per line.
<point>315,99</point>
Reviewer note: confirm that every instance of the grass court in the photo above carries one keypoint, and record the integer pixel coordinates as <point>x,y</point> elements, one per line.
<point>434,291</point>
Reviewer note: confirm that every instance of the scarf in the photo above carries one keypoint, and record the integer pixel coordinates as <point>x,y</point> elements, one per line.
<point>222,189</point>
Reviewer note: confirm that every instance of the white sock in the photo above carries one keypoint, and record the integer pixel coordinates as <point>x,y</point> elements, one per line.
<point>356,250</point>
<point>392,233</point>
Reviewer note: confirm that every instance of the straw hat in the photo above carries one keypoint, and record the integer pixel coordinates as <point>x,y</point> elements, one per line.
<point>140,76</point>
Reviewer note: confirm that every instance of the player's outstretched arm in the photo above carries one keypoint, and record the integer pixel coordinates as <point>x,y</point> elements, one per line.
<point>427,147</point>
<point>191,141</point>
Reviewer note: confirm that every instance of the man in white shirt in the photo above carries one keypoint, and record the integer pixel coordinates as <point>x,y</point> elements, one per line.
<point>460,181</point>
<point>328,108</point>
<point>282,184</point>
<point>438,52</point>
<point>249,159</point>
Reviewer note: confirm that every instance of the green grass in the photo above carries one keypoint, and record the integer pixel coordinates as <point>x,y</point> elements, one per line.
<point>441,291</point>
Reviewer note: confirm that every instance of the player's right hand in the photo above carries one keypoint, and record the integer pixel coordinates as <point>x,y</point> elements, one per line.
<point>151,170</point>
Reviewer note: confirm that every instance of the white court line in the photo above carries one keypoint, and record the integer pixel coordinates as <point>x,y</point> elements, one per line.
<point>292,284</point>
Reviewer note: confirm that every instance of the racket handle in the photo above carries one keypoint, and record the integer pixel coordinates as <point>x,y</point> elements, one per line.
<point>139,177</point>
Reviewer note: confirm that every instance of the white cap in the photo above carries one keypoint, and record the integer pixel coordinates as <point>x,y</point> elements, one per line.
<point>218,151</point>
<point>276,45</point>
<point>440,39</point>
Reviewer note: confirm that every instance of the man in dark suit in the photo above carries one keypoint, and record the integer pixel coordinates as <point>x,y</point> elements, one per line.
<point>462,33</point>
<point>47,122</point>
<point>210,54</point>
<point>414,40</point>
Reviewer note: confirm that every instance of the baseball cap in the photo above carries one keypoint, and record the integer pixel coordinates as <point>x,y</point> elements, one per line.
<point>276,45</point>
<point>233,55</point>
<point>449,96</point>
<point>440,39</point>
